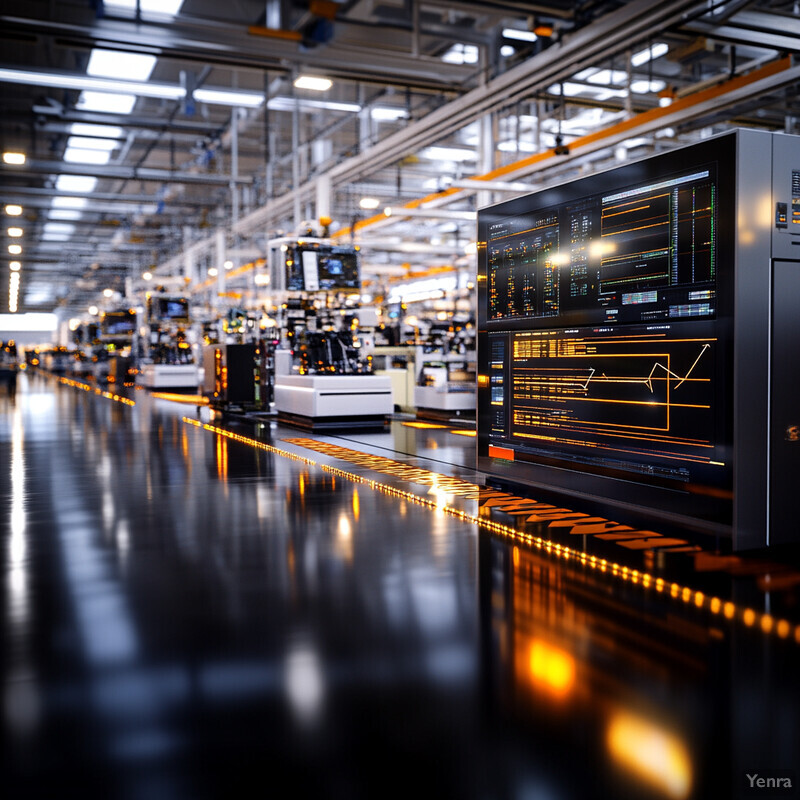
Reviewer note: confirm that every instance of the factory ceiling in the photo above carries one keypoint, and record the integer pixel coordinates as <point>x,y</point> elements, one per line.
<point>150,126</point>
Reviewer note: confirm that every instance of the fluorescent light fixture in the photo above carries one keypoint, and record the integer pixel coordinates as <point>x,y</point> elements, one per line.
<point>15,233</point>
<point>108,292</point>
<point>91,84</point>
<point>59,227</point>
<point>228,265</point>
<point>96,131</point>
<point>572,89</point>
<point>15,249</point>
<point>521,36</point>
<point>13,158</point>
<point>115,64</point>
<point>369,203</point>
<point>436,153</point>
<point>69,202</point>
<point>107,103</point>
<point>82,184</point>
<point>645,87</point>
<point>223,97</point>
<point>75,155</point>
<point>15,266</point>
<point>429,213</point>
<point>387,113</point>
<point>649,54</point>
<point>316,84</point>
<point>147,276</point>
<point>13,210</point>
<point>93,310</point>
<point>170,7</point>
<point>63,213</point>
<point>507,51</point>
<point>639,141</point>
<point>288,104</point>
<point>512,146</point>
<point>213,272</point>
<point>606,77</point>
<point>461,54</point>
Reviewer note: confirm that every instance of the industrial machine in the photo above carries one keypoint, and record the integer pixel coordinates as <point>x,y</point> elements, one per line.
<point>636,338</point>
<point>329,382</point>
<point>166,358</point>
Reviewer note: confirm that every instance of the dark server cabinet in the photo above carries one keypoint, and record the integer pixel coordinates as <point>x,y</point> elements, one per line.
<point>636,337</point>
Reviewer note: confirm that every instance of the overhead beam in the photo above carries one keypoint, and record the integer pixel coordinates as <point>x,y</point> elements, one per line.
<point>118,172</point>
<point>222,43</point>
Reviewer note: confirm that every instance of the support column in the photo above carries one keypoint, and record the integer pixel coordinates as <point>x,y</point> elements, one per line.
<point>323,198</point>
<point>189,275</point>
<point>220,265</point>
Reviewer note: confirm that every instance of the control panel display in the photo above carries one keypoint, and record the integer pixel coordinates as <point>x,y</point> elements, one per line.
<point>604,319</point>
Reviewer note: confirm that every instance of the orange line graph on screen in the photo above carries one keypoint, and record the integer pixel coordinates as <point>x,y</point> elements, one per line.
<point>617,394</point>
<point>648,381</point>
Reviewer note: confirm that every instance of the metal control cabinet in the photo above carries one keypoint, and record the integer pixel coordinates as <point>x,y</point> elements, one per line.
<point>637,335</point>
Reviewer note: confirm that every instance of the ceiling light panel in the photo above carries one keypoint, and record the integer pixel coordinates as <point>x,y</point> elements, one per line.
<point>170,7</point>
<point>63,213</point>
<point>124,66</point>
<point>96,131</point>
<point>76,155</point>
<point>80,184</point>
<point>223,97</point>
<point>69,202</point>
<point>651,53</point>
<point>316,84</point>
<point>106,102</point>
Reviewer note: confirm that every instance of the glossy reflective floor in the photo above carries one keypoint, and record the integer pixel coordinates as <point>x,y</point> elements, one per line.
<point>188,614</point>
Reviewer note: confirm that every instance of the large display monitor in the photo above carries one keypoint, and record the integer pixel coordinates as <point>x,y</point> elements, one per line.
<point>167,309</point>
<point>118,324</point>
<point>313,267</point>
<point>605,338</point>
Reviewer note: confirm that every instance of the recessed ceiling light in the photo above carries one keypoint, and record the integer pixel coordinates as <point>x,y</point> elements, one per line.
<point>314,83</point>
<point>651,53</point>
<point>106,102</point>
<point>76,155</point>
<point>69,202</point>
<point>13,158</point>
<point>15,266</point>
<point>15,233</point>
<point>13,211</point>
<point>170,7</point>
<point>223,97</point>
<point>82,184</point>
<point>519,35</point>
<point>96,131</point>
<point>369,203</point>
<point>15,249</point>
<point>114,64</point>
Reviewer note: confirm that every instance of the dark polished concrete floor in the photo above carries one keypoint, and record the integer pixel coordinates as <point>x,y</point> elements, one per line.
<point>190,615</point>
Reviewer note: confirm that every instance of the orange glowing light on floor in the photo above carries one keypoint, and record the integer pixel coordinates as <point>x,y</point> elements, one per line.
<point>422,425</point>
<point>552,668</point>
<point>655,756</point>
<point>175,397</point>
<point>464,433</point>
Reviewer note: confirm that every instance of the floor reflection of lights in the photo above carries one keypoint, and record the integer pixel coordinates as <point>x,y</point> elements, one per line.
<point>689,597</point>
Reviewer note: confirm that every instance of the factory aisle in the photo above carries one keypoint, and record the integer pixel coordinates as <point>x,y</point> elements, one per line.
<point>187,615</point>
